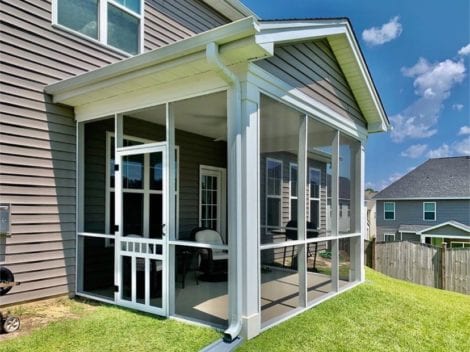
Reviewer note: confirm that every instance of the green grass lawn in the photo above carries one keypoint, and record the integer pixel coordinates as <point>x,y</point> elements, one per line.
<point>383,314</point>
<point>109,328</point>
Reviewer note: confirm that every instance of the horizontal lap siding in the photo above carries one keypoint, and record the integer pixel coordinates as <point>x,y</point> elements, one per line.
<point>312,68</point>
<point>37,147</point>
<point>170,21</point>
<point>37,137</point>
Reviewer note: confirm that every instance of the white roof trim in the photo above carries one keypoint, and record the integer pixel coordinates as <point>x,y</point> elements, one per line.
<point>333,29</point>
<point>447,223</point>
<point>232,9</point>
<point>220,35</point>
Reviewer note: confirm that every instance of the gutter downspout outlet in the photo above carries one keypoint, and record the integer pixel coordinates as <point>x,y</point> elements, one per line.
<point>235,291</point>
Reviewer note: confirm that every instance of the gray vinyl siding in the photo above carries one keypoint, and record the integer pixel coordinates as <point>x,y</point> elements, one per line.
<point>410,212</point>
<point>194,150</point>
<point>170,21</point>
<point>288,159</point>
<point>312,68</point>
<point>37,137</point>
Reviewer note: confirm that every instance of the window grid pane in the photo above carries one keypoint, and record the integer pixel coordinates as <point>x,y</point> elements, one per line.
<point>81,16</point>
<point>123,30</point>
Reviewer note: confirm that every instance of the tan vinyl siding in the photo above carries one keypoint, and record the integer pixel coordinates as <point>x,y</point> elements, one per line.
<point>37,137</point>
<point>312,68</point>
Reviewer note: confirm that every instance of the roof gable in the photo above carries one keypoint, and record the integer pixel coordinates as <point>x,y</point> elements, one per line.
<point>437,178</point>
<point>312,68</point>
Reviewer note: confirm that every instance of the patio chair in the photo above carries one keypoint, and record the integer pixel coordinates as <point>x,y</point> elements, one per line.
<point>291,234</point>
<point>211,262</point>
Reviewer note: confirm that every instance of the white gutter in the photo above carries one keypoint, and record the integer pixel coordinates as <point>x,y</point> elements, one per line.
<point>235,269</point>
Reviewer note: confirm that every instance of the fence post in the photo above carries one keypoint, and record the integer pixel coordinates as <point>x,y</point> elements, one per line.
<point>372,251</point>
<point>443,265</point>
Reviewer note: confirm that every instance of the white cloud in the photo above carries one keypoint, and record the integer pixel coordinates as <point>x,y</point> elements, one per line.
<point>457,148</point>
<point>465,50</point>
<point>440,152</point>
<point>464,130</point>
<point>414,151</point>
<point>378,36</point>
<point>462,147</point>
<point>457,107</point>
<point>433,84</point>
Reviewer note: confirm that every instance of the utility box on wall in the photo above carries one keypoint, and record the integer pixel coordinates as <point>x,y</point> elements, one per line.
<point>5,228</point>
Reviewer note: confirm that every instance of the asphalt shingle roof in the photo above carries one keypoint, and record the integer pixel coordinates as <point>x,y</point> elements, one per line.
<point>436,178</point>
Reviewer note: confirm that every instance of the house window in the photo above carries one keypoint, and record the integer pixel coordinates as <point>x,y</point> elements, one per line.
<point>314,177</point>
<point>273,192</point>
<point>293,192</point>
<point>429,211</point>
<point>459,244</point>
<point>389,211</point>
<point>212,198</point>
<point>389,237</point>
<point>116,23</point>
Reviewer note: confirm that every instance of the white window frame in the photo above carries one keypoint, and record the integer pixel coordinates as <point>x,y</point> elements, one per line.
<point>310,198</point>
<point>462,244</point>
<point>424,211</point>
<point>221,173</point>
<point>103,24</point>
<point>273,195</point>
<point>389,234</point>
<point>110,189</point>
<point>291,197</point>
<point>394,211</point>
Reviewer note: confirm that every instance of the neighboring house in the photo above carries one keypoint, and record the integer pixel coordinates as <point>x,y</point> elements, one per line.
<point>371,211</point>
<point>430,204</point>
<point>126,125</point>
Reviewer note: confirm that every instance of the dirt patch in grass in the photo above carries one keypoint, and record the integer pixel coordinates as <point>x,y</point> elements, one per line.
<point>36,315</point>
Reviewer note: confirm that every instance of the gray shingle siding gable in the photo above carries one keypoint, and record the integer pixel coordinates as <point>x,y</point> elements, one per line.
<point>436,178</point>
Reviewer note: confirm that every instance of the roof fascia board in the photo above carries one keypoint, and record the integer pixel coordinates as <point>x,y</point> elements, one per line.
<point>232,9</point>
<point>443,236</point>
<point>245,46</point>
<point>447,223</point>
<point>166,65</point>
<point>220,35</point>
<point>289,31</point>
<point>423,198</point>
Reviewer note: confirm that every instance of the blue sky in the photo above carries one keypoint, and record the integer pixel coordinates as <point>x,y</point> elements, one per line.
<point>412,49</point>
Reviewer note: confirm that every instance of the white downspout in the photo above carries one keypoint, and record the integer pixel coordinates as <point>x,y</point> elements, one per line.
<point>235,269</point>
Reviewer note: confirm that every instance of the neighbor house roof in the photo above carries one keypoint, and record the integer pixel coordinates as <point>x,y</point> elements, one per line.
<point>442,178</point>
<point>412,228</point>
<point>452,223</point>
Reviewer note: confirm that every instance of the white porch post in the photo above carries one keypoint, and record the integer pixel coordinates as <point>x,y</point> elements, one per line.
<point>335,213</point>
<point>250,100</point>
<point>80,198</point>
<point>301,213</point>
<point>357,243</point>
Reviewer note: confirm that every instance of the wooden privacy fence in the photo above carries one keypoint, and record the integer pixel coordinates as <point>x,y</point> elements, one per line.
<point>440,267</point>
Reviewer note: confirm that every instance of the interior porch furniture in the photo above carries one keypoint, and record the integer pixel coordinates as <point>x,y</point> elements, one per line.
<point>291,234</point>
<point>212,263</point>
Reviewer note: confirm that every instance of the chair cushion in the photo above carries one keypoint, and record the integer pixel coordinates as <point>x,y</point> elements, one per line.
<point>209,237</point>
<point>219,254</point>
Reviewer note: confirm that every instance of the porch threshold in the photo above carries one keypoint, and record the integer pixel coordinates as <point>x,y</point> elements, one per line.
<point>223,346</point>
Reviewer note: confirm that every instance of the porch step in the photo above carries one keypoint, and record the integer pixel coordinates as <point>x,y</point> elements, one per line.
<point>222,346</point>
